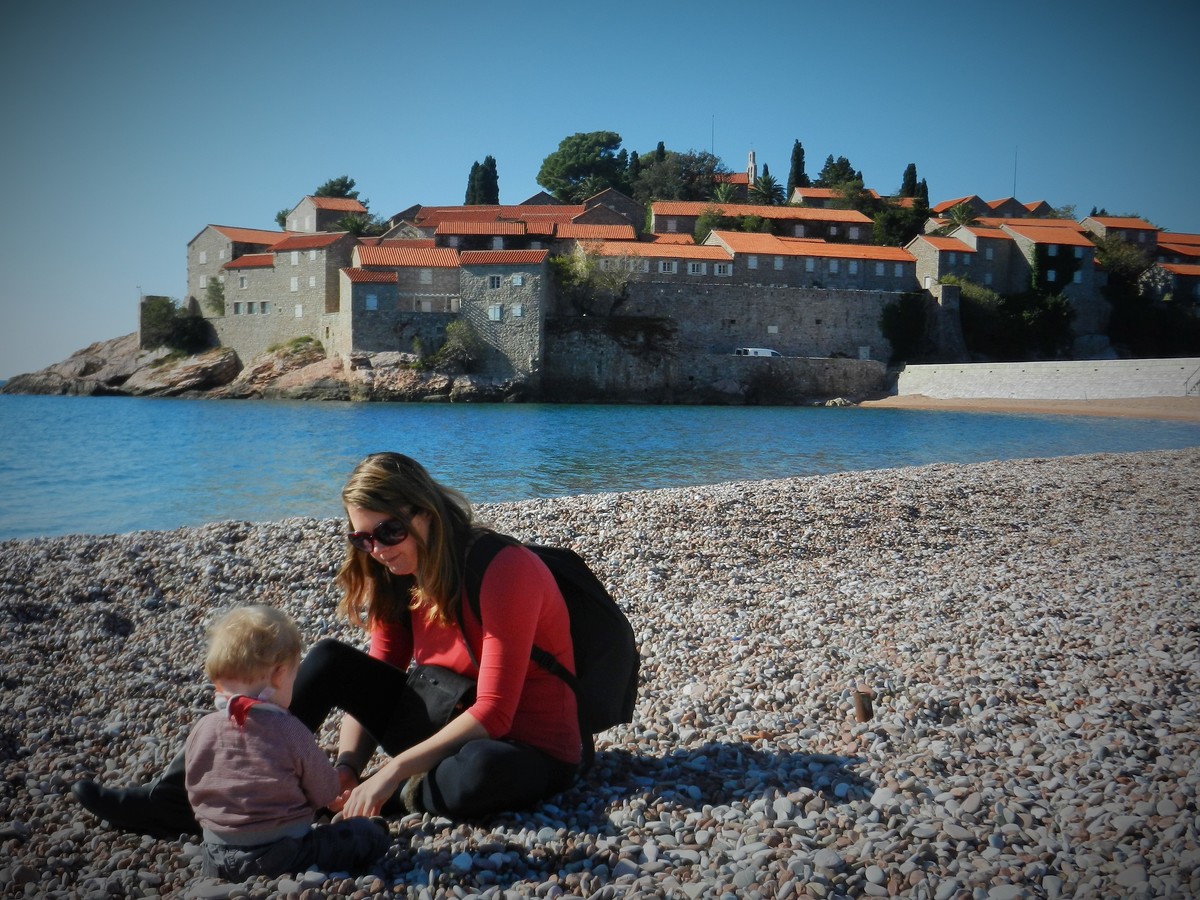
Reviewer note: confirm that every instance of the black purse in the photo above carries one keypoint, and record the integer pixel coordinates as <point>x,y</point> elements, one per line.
<point>444,693</point>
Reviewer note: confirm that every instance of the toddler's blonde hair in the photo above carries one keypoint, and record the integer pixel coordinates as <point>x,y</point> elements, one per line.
<point>247,642</point>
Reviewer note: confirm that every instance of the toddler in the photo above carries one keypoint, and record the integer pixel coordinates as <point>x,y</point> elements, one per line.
<point>255,775</point>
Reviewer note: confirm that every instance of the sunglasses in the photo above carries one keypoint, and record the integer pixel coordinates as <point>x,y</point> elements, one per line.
<point>388,533</point>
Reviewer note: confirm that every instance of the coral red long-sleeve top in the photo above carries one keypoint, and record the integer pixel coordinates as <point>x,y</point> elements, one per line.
<point>515,698</point>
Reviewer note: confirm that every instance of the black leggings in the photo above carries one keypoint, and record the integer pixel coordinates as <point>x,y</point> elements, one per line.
<point>484,776</point>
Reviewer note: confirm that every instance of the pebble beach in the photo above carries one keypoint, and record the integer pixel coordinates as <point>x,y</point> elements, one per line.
<point>1025,633</point>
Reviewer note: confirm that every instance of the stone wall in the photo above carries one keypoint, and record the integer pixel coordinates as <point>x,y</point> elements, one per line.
<point>619,359</point>
<point>1081,380</point>
<point>718,318</point>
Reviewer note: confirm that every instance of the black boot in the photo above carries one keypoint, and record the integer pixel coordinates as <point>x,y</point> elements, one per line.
<point>160,809</point>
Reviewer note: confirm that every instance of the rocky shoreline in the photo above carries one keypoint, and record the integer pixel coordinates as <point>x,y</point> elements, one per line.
<point>1028,631</point>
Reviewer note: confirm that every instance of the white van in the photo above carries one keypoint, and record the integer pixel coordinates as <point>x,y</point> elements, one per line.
<point>755,351</point>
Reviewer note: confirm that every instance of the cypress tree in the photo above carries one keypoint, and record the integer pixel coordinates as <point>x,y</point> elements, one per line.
<point>472,182</point>
<point>908,184</point>
<point>488,190</point>
<point>796,176</point>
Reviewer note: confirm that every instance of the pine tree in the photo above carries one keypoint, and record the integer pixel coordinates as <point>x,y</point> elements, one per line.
<point>472,181</point>
<point>796,176</point>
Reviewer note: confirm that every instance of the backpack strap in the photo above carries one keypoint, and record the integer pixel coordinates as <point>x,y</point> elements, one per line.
<point>480,553</point>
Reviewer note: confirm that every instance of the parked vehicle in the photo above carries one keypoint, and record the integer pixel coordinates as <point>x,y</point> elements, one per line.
<point>755,351</point>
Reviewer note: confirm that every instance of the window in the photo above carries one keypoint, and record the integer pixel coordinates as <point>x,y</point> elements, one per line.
<point>987,277</point>
<point>697,268</point>
<point>951,258</point>
<point>989,253</point>
<point>497,243</point>
<point>295,283</point>
<point>667,267</point>
<point>426,276</point>
<point>772,329</point>
<point>265,306</point>
<point>854,267</point>
<point>833,231</point>
<point>1051,275</point>
<point>518,311</point>
<point>250,308</point>
<point>493,282</point>
<point>298,311</point>
<point>495,311</point>
<point>295,257</point>
<point>371,301</point>
<point>312,255</point>
<point>672,226</point>
<point>966,259</point>
<point>424,306</point>
<point>237,309</point>
<point>723,269</point>
<point>810,265</point>
<point>312,280</point>
<point>221,253</point>
<point>518,279</point>
<point>854,232</point>
<point>898,270</point>
<point>242,282</point>
<point>1052,250</point>
<point>1079,253</point>
<point>751,262</point>
<point>1077,277</point>
<point>455,304</point>
<point>778,263</point>
<point>452,240</point>
<point>834,266</point>
<point>203,257</point>
<point>799,232</point>
<point>879,269</point>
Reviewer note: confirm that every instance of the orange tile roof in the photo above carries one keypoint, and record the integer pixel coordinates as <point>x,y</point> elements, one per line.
<point>698,208</point>
<point>431,216</point>
<point>425,243</point>
<point>817,193</point>
<point>596,232</point>
<point>768,244</point>
<point>1188,269</point>
<point>732,178</point>
<point>950,204</point>
<point>370,276</point>
<point>657,251</point>
<point>503,257</point>
<point>308,241</point>
<point>990,232</point>
<point>997,221</point>
<point>1043,234</point>
<point>1132,223</point>
<point>490,227</point>
<point>337,204</point>
<point>948,244</point>
<point>669,238</point>
<point>250,235</point>
<point>252,261</point>
<point>1179,249</point>
<point>1179,237</point>
<point>423,257</point>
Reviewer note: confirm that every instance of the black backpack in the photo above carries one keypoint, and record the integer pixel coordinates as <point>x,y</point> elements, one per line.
<point>606,655</point>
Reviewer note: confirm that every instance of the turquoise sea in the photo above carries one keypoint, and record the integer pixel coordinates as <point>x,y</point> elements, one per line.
<point>96,465</point>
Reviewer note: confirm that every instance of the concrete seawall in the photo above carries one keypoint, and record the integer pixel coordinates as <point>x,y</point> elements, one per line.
<point>1073,380</point>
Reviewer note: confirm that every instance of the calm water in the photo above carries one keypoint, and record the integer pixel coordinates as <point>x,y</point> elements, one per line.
<point>112,464</point>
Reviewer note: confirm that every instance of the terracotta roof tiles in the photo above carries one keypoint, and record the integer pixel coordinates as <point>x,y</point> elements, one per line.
<point>308,241</point>
<point>370,276</point>
<point>338,204</point>
<point>596,232</point>
<point>1033,230</point>
<point>1128,223</point>
<point>252,261</point>
<point>250,235</point>
<point>503,257</point>
<point>698,208</point>
<point>769,244</point>
<point>403,257</point>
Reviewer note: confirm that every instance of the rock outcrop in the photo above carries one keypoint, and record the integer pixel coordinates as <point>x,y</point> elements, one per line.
<point>300,371</point>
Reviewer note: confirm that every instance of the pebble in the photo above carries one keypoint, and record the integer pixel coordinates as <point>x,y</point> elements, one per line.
<point>1027,631</point>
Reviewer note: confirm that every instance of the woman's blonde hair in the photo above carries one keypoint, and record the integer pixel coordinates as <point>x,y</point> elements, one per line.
<point>247,642</point>
<point>399,486</point>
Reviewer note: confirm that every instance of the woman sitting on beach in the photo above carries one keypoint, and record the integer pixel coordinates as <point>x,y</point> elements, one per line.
<point>517,743</point>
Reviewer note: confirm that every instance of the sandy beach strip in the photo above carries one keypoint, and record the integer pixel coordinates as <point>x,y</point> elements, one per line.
<point>1184,409</point>
<point>1027,630</point>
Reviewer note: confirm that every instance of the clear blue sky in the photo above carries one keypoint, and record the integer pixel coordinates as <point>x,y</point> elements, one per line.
<point>130,126</point>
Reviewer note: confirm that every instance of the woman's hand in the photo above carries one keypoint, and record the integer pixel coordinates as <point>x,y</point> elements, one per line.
<point>367,799</point>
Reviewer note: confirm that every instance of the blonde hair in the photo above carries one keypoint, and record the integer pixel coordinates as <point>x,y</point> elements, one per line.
<point>248,642</point>
<point>399,486</point>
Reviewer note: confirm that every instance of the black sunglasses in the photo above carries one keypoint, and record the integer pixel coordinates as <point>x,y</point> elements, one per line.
<point>389,533</point>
